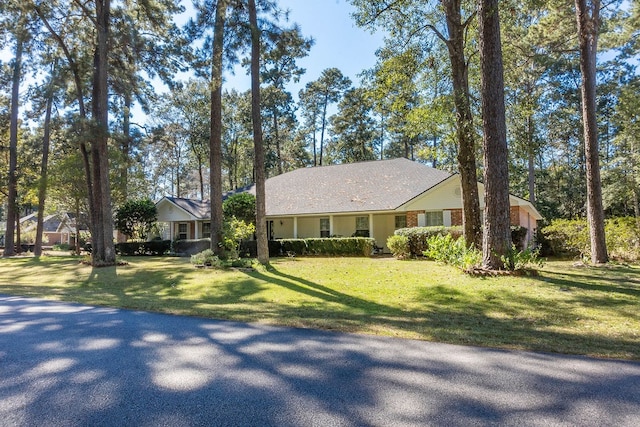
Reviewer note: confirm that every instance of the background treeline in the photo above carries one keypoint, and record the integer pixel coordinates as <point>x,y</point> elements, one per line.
<point>403,107</point>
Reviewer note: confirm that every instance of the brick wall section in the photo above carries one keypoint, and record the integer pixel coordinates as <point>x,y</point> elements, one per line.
<point>412,218</point>
<point>456,217</point>
<point>515,215</point>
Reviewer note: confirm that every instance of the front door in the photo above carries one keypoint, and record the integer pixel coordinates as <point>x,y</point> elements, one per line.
<point>270,230</point>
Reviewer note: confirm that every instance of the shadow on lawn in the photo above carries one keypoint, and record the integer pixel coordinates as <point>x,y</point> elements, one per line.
<point>448,315</point>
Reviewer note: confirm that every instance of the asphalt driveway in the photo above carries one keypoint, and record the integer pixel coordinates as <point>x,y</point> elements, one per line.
<point>71,365</point>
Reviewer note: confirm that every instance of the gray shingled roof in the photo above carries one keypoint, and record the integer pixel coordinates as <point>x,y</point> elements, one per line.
<point>197,208</point>
<point>355,187</point>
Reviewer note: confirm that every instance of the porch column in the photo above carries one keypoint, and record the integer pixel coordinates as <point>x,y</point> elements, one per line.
<point>171,230</point>
<point>195,231</point>
<point>331,233</point>
<point>371,225</point>
<point>295,227</point>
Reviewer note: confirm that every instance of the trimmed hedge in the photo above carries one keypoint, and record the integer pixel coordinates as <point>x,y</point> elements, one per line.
<point>342,246</point>
<point>190,247</point>
<point>153,247</point>
<point>419,236</point>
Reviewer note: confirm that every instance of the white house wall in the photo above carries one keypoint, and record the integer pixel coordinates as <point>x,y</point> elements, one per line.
<point>168,212</point>
<point>442,197</point>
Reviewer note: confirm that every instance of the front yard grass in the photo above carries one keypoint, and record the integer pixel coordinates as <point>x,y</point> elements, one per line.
<point>567,309</point>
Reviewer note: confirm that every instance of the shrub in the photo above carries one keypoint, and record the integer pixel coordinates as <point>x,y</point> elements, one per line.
<point>294,246</point>
<point>190,247</point>
<point>567,237</point>
<point>527,259</point>
<point>241,206</point>
<point>446,249</point>
<point>418,236</point>
<point>135,218</point>
<point>157,247</point>
<point>518,234</point>
<point>341,246</point>
<point>205,258</point>
<point>623,238</point>
<point>153,247</point>
<point>61,247</point>
<point>234,232</point>
<point>571,238</point>
<point>399,246</point>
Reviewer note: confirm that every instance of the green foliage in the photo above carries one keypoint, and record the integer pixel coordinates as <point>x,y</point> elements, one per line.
<point>623,238</point>
<point>446,249</point>
<point>526,259</point>
<point>354,246</point>
<point>153,247</point>
<point>61,247</point>
<point>518,234</point>
<point>241,206</point>
<point>571,238</point>
<point>567,237</point>
<point>206,258</point>
<point>399,246</point>
<point>419,236</point>
<point>136,217</point>
<point>191,246</point>
<point>234,232</point>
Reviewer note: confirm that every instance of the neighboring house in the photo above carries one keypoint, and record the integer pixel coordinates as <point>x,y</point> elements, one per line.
<point>358,199</point>
<point>57,228</point>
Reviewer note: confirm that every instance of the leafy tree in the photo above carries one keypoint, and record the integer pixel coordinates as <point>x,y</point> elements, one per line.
<point>241,206</point>
<point>497,232</point>
<point>18,20</point>
<point>237,147</point>
<point>256,119</point>
<point>409,19</point>
<point>283,48</point>
<point>588,18</point>
<point>316,98</point>
<point>353,128</point>
<point>135,218</point>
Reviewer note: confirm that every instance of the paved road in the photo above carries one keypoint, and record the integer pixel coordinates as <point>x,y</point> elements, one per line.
<point>71,365</point>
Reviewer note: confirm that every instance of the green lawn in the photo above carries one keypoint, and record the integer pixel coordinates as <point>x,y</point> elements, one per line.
<point>567,309</point>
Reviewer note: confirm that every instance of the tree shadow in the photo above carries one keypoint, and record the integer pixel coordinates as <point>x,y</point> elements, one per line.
<point>68,364</point>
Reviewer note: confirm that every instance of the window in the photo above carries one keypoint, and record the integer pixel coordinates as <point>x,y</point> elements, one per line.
<point>206,230</point>
<point>401,221</point>
<point>362,226</point>
<point>433,219</point>
<point>182,231</point>
<point>325,227</point>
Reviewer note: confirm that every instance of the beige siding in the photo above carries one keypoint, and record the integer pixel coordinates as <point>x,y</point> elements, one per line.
<point>308,227</point>
<point>444,197</point>
<point>384,226</point>
<point>168,212</point>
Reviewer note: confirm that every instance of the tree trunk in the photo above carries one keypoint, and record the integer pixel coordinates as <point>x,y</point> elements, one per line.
<point>42,186</point>
<point>497,231</point>
<point>464,120</point>
<point>18,237</point>
<point>75,70</point>
<point>126,145</point>
<point>9,236</point>
<point>103,245</point>
<point>77,242</point>
<point>277,138</point>
<point>256,118</point>
<point>531,161</point>
<point>215,143</point>
<point>588,22</point>
<point>324,122</point>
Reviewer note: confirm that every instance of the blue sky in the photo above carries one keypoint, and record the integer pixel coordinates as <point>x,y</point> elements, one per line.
<point>339,42</point>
